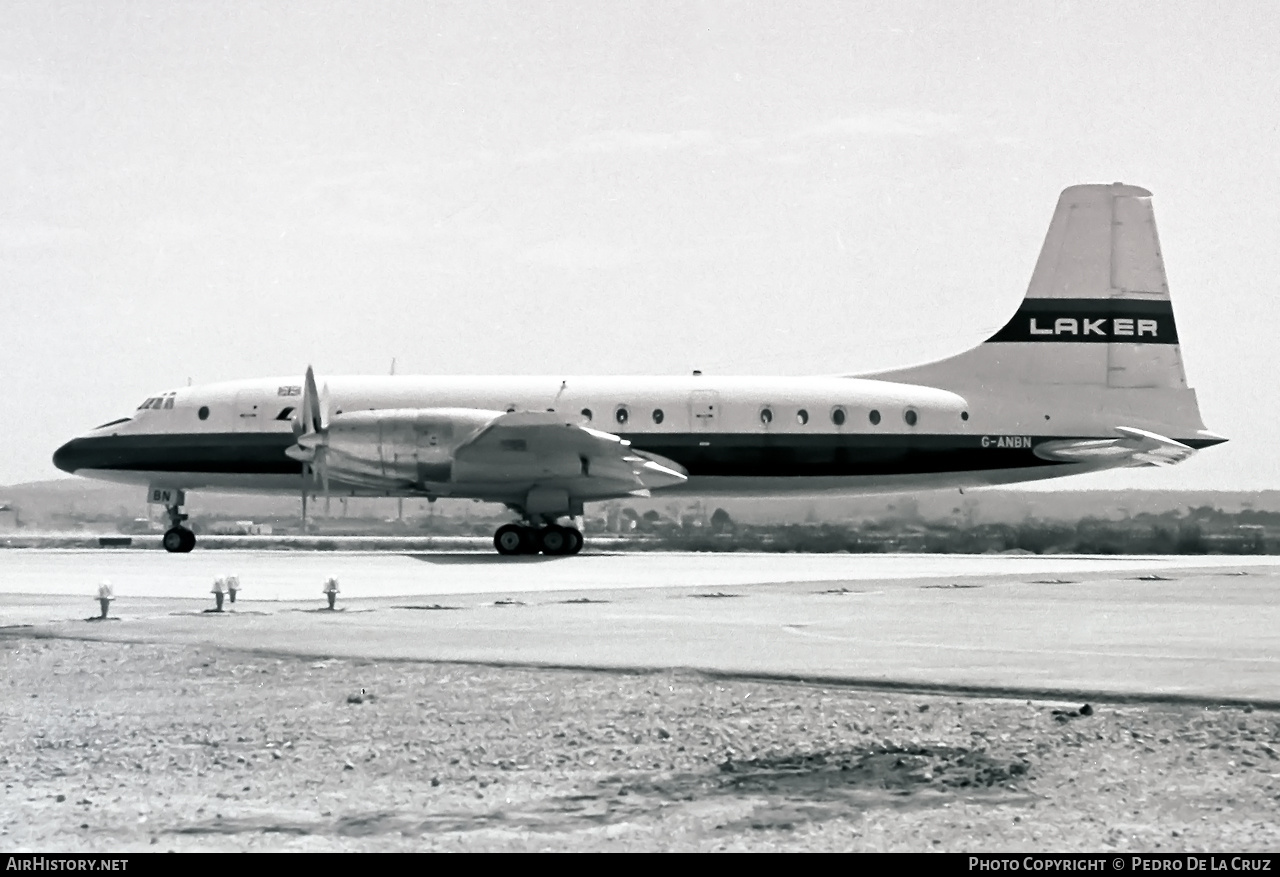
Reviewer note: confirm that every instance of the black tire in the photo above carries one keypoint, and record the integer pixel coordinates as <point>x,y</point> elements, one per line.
<point>188,541</point>
<point>575,540</point>
<point>554,540</point>
<point>173,540</point>
<point>511,539</point>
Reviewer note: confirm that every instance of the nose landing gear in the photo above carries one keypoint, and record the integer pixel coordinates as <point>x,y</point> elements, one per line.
<point>177,539</point>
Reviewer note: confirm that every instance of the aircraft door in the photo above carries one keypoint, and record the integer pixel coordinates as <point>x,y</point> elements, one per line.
<point>249,412</point>
<point>704,410</point>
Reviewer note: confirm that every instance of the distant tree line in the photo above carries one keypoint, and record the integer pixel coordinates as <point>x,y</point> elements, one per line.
<point>1198,532</point>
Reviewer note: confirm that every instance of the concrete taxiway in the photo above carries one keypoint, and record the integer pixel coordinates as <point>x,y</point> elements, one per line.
<point>1138,627</point>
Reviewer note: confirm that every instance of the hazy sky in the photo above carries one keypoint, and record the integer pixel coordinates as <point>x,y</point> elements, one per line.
<point>224,190</point>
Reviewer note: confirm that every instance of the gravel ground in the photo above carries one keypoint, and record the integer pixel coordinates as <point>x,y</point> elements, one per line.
<point>116,747</point>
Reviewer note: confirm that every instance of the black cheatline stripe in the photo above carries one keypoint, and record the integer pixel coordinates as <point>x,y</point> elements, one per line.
<point>835,455</point>
<point>742,455</point>
<point>245,453</point>
<point>1091,320</point>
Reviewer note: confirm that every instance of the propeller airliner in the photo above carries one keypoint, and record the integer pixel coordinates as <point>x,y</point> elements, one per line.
<point>1086,375</point>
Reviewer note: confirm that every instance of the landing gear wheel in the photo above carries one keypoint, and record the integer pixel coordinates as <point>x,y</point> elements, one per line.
<point>575,540</point>
<point>554,540</point>
<point>511,539</point>
<point>178,540</point>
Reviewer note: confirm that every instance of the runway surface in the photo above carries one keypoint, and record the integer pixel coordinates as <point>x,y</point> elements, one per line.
<point>289,575</point>
<point>1159,627</point>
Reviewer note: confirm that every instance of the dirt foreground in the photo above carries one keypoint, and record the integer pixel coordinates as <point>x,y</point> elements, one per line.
<point>120,747</point>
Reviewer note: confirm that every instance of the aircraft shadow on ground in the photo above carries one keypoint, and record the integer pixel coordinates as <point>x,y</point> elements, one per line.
<point>484,559</point>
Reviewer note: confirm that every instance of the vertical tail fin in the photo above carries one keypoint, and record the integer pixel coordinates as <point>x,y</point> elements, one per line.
<point>1093,347</point>
<point>1097,311</point>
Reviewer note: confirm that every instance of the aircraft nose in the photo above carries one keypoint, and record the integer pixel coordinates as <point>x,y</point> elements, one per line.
<point>70,456</point>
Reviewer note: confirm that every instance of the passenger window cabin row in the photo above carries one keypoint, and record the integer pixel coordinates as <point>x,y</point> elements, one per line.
<point>622,415</point>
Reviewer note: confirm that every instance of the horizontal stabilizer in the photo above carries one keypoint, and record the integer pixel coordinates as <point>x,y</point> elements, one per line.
<point>1138,447</point>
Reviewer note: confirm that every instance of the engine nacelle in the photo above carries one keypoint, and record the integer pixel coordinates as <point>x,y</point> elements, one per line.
<point>399,446</point>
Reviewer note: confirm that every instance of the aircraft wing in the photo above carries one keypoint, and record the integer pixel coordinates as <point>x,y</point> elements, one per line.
<point>1137,447</point>
<point>523,445</point>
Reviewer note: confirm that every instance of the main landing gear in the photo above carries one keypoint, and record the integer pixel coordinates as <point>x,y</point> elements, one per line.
<point>177,539</point>
<point>524,539</point>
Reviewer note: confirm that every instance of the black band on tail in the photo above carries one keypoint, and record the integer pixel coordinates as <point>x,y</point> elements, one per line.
<point>1092,320</point>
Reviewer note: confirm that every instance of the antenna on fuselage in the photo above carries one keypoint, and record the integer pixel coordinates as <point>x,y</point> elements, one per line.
<point>393,365</point>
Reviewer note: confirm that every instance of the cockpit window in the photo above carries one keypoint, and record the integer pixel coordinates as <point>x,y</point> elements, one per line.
<point>157,402</point>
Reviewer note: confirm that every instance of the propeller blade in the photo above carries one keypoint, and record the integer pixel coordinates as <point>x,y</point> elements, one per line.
<point>310,427</point>
<point>322,469</point>
<point>311,413</point>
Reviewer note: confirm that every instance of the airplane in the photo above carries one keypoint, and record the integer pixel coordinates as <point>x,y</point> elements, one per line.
<point>1087,375</point>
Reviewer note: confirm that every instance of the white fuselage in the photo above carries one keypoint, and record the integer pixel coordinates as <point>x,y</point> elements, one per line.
<point>744,435</point>
<point>1087,374</point>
